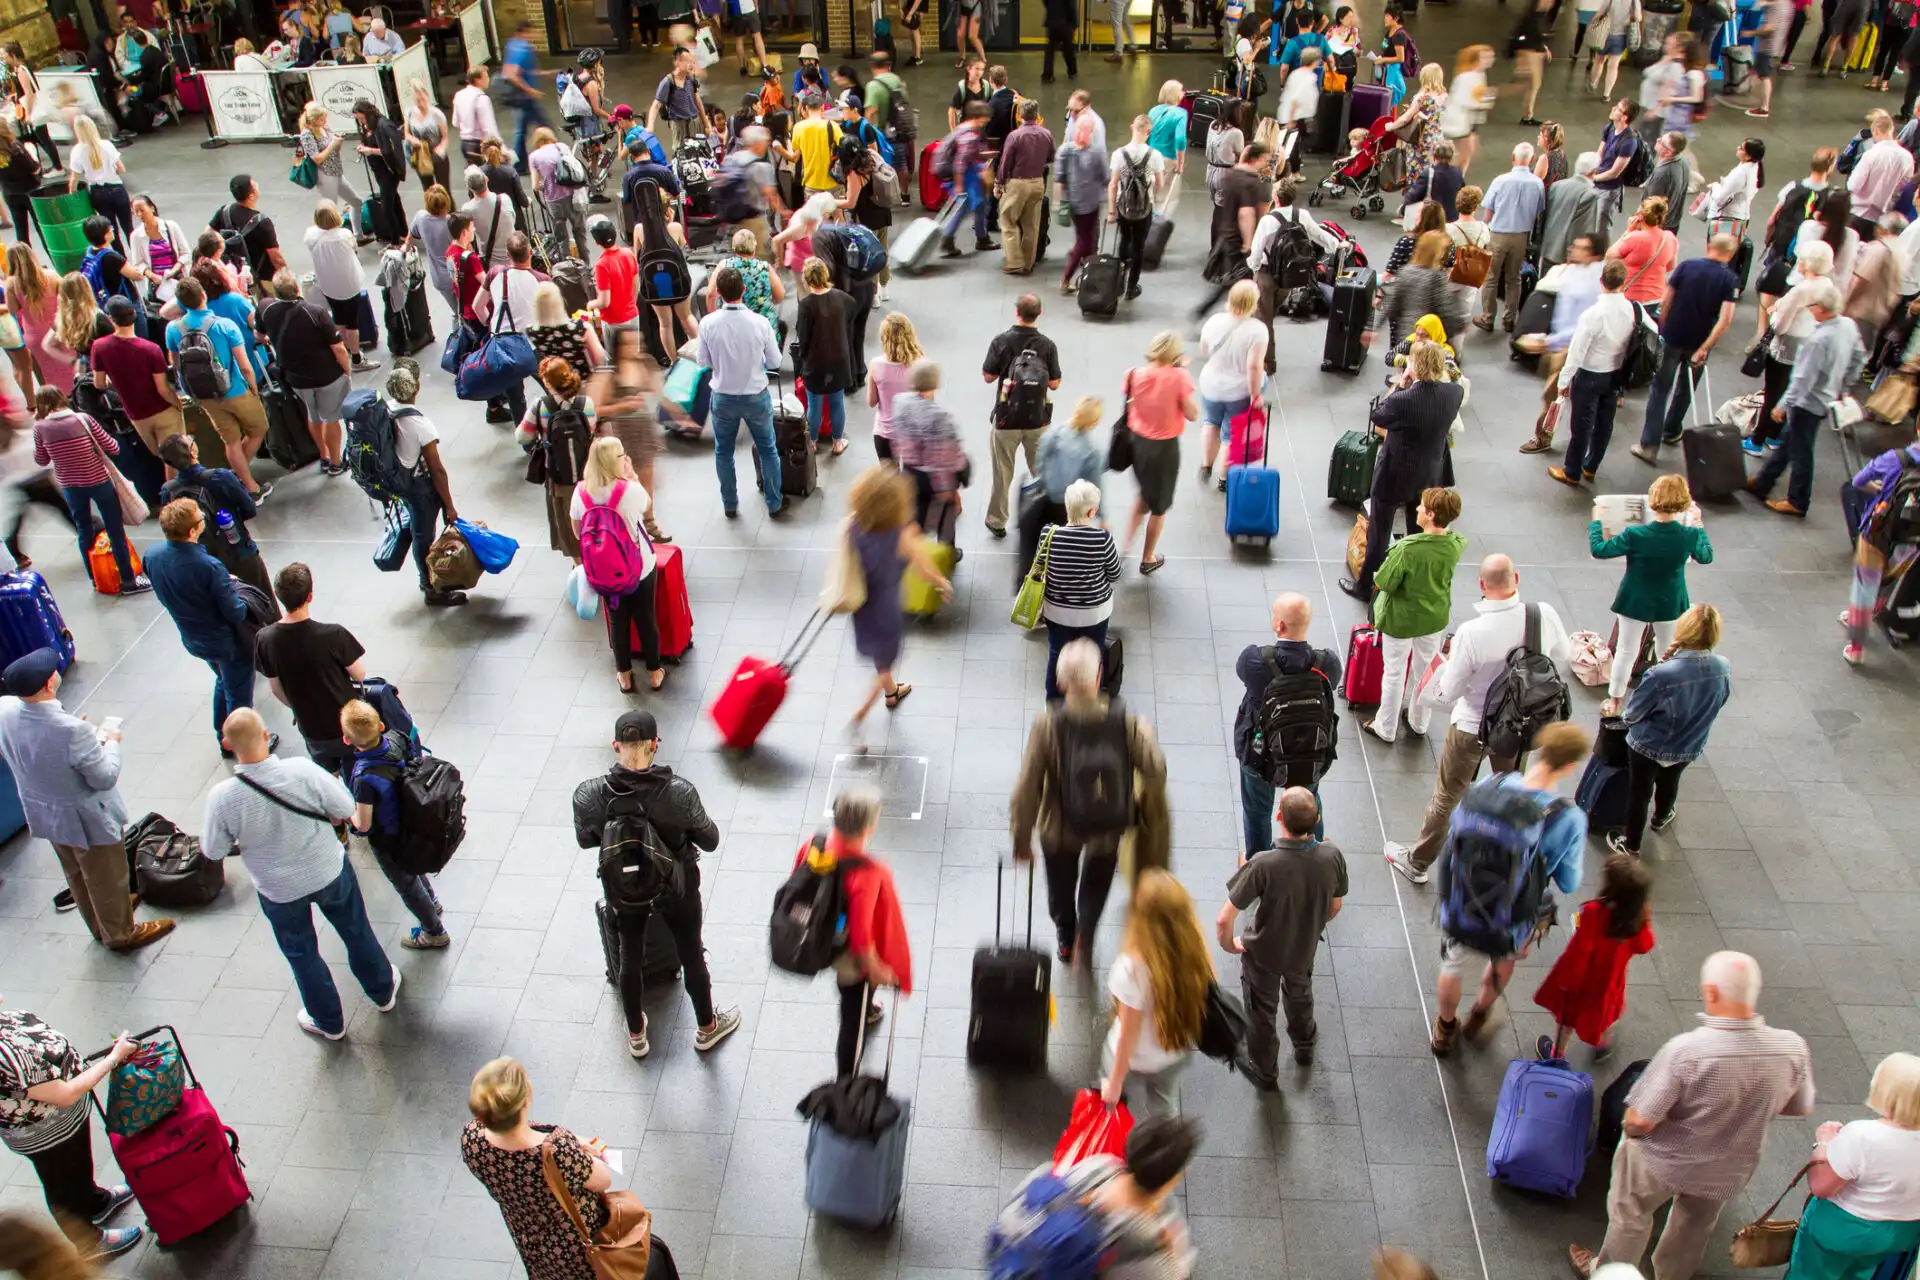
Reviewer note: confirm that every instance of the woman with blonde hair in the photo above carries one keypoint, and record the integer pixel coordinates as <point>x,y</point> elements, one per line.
<point>1468,101</point>
<point>608,481</point>
<point>1159,987</point>
<point>325,148</point>
<point>886,541</point>
<point>1421,288</point>
<point>72,334</point>
<point>1653,592</point>
<point>1168,135</point>
<point>1068,454</point>
<point>760,287</point>
<point>555,333</point>
<point>1668,719</point>
<point>559,426</point>
<point>1235,344</point>
<point>508,1155</point>
<point>1160,404</point>
<point>247,58</point>
<point>428,137</point>
<point>889,374</point>
<point>1650,251</point>
<point>1863,1220</point>
<point>504,180</point>
<point>33,301</point>
<point>97,163</point>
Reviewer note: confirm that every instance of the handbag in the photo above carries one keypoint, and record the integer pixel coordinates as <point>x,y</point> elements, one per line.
<point>1120,448</point>
<point>845,590</point>
<point>1093,1129</point>
<point>1767,1241</point>
<point>451,565</point>
<point>305,173</point>
<point>1063,214</point>
<point>1031,602</point>
<point>397,541</point>
<point>133,508</point>
<point>1357,546</point>
<point>1597,32</point>
<point>617,1251</point>
<point>1223,1029</point>
<point>458,345</point>
<point>581,595</point>
<point>11,339</point>
<point>1470,265</point>
<point>537,463</point>
<point>1893,399</point>
<point>145,1089</point>
<point>1332,81</point>
<point>1754,363</point>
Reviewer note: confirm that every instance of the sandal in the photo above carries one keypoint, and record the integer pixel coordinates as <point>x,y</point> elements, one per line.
<point>900,691</point>
<point>625,680</point>
<point>1153,565</point>
<point>839,447</point>
<point>653,531</point>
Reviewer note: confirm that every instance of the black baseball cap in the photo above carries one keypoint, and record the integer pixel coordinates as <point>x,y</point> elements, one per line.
<point>635,726</point>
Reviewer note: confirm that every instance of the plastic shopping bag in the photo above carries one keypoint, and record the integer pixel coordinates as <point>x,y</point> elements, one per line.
<point>1094,1129</point>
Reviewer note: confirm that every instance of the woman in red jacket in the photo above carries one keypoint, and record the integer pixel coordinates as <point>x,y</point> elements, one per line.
<point>1586,991</point>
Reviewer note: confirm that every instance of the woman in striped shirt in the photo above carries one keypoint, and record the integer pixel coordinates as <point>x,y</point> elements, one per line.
<point>1082,565</point>
<point>74,445</point>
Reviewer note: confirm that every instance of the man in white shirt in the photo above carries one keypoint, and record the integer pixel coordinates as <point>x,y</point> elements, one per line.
<point>1875,182</point>
<point>380,43</point>
<point>510,303</point>
<point>429,497</point>
<point>740,347</point>
<point>489,237</point>
<point>1590,378</point>
<point>1283,212</point>
<point>473,115</point>
<point>1476,654</point>
<point>1299,101</point>
<point>1133,162</point>
<point>1575,286</point>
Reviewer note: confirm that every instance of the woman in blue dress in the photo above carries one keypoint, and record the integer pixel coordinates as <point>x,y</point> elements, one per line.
<point>886,542</point>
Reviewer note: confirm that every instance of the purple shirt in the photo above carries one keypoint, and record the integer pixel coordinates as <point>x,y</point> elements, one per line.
<point>1878,476</point>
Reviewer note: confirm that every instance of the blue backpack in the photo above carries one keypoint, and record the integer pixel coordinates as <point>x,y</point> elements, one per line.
<point>866,256</point>
<point>373,456</point>
<point>1493,878</point>
<point>1053,1236</point>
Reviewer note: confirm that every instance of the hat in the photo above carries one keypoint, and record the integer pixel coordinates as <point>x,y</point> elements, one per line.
<point>27,676</point>
<point>623,112</point>
<point>809,50</point>
<point>632,726</point>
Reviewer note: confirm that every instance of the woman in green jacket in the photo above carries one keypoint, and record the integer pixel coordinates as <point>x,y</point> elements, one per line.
<point>1413,604</point>
<point>1653,593</point>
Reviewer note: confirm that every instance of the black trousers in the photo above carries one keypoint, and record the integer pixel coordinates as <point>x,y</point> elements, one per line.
<point>682,918</point>
<point>1886,48</point>
<point>1063,41</point>
<point>43,490</point>
<point>1648,780</point>
<point>632,614</point>
<point>66,1176</point>
<point>1133,247</point>
<point>855,998</point>
<point>1077,887</point>
<point>20,209</point>
<point>1773,385</point>
<point>863,293</point>
<point>1380,532</point>
<point>1793,35</point>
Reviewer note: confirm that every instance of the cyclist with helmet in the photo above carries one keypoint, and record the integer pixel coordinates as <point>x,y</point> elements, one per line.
<point>591,81</point>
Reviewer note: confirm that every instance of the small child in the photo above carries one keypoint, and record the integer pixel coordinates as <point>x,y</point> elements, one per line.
<point>1586,991</point>
<point>374,779</point>
<point>1356,139</point>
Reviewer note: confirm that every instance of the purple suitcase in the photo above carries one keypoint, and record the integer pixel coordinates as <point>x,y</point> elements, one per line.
<point>1367,103</point>
<point>30,620</point>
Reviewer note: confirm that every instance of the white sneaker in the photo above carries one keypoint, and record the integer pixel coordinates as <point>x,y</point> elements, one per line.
<point>1400,858</point>
<point>393,999</point>
<point>725,1023</point>
<point>885,297</point>
<point>312,1028</point>
<point>637,1044</point>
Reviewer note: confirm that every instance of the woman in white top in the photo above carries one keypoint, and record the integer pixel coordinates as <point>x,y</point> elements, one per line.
<point>1727,204</point>
<point>1864,1217</point>
<point>609,481</point>
<point>158,248</point>
<point>1468,101</point>
<point>97,163</point>
<point>425,127</point>
<point>337,272</point>
<point>1235,344</point>
<point>1159,988</point>
<point>320,145</point>
<point>1791,322</point>
<point>245,58</point>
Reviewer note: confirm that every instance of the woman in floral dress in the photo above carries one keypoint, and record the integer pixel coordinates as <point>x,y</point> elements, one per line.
<point>763,291</point>
<point>1419,121</point>
<point>503,1152</point>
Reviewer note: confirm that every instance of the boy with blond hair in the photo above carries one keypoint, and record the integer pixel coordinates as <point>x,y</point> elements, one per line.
<point>374,778</point>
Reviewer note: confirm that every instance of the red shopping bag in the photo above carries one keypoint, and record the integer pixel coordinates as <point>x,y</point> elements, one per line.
<point>1095,1129</point>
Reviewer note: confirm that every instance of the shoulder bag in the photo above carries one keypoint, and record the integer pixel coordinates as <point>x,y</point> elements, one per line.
<point>1031,602</point>
<point>502,362</point>
<point>1120,448</point>
<point>339,828</point>
<point>617,1251</point>
<point>1767,1241</point>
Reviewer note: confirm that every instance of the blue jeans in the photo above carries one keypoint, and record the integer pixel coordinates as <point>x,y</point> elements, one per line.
<point>530,115</point>
<point>1257,801</point>
<point>1595,397</point>
<point>103,499</point>
<point>836,411</point>
<point>341,904</point>
<point>729,412</point>
<point>1796,450</point>
<point>974,197</point>
<point>1059,636</point>
<point>1670,396</point>
<point>423,513</point>
<point>232,686</point>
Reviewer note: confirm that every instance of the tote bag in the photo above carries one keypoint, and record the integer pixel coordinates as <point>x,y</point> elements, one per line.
<point>1029,604</point>
<point>845,590</point>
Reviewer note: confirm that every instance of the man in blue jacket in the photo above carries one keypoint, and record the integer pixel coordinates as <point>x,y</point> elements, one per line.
<point>198,595</point>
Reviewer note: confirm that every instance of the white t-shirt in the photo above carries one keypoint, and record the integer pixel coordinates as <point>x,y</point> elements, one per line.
<point>1463,112</point>
<point>1129,985</point>
<point>633,505</point>
<point>1228,341</point>
<point>108,170</point>
<point>412,433</point>
<point>515,285</point>
<point>336,263</point>
<point>1132,153</point>
<point>1882,1167</point>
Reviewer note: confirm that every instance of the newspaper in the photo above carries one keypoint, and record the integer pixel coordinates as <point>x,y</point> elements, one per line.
<point>1616,511</point>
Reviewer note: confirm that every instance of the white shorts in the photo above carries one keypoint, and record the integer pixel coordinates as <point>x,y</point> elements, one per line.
<point>1456,955</point>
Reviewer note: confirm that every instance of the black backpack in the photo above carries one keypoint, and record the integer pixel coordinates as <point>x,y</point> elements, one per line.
<point>433,806</point>
<point>1639,164</point>
<point>234,239</point>
<point>1023,392</point>
<point>1796,206</point>
<point>808,926</point>
<point>1895,518</point>
<point>567,440</point>
<point>1642,357</point>
<point>1095,766</point>
<point>636,868</point>
<point>1524,698</point>
<point>1296,728</point>
<point>1291,254</point>
<point>212,537</point>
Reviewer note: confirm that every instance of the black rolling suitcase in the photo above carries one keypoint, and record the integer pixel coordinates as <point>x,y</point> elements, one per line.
<point>410,328</point>
<point>1012,996</point>
<point>1103,279</point>
<point>661,963</point>
<point>1353,292</point>
<point>1535,320</point>
<point>1159,232</point>
<point>287,440</point>
<point>1716,465</point>
<point>799,471</point>
<point>1203,108</point>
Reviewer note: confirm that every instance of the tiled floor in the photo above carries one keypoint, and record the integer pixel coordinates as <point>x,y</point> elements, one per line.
<point>1786,844</point>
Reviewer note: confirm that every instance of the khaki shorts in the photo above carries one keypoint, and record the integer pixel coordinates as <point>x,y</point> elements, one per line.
<point>236,417</point>
<point>167,422</point>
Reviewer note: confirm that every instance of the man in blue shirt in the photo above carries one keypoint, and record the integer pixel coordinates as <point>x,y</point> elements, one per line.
<point>217,491</point>
<point>519,68</point>
<point>1694,312</point>
<point>739,346</point>
<point>198,595</point>
<point>1618,145</point>
<point>641,167</point>
<point>236,413</point>
<point>374,777</point>
<point>1512,204</point>
<point>1558,749</point>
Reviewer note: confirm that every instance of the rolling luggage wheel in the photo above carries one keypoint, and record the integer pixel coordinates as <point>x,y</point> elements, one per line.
<point>1377,204</point>
<point>1316,198</point>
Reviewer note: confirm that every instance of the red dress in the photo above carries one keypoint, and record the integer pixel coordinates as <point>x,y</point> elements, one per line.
<point>1587,988</point>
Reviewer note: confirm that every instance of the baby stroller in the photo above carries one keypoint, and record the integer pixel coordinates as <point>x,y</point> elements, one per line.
<point>693,164</point>
<point>1357,176</point>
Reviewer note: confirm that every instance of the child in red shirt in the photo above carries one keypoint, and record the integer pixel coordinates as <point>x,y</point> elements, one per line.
<point>1586,991</point>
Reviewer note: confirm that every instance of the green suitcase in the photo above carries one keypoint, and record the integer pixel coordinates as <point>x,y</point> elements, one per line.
<point>1350,470</point>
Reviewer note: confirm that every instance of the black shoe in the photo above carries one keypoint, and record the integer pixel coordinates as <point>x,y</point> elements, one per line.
<point>998,533</point>
<point>1661,821</point>
<point>1256,1077</point>
<point>442,599</point>
<point>1530,121</point>
<point>1064,950</point>
<point>1133,293</point>
<point>983,244</point>
<point>948,249</point>
<point>63,901</point>
<point>1303,1054</point>
<point>262,494</point>
<point>1363,594</point>
<point>1673,439</point>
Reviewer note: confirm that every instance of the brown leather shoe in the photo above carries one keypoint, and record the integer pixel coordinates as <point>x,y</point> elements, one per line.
<point>1475,1023</point>
<point>1784,507</point>
<point>1538,444</point>
<point>145,932</point>
<point>1444,1038</point>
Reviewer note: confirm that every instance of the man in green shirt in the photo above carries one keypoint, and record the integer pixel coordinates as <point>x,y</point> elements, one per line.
<point>881,90</point>
<point>1412,608</point>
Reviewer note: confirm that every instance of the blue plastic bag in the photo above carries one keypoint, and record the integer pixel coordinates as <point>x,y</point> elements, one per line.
<point>584,599</point>
<point>494,551</point>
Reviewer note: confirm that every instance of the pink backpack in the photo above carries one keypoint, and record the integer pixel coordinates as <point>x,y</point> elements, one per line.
<point>607,553</point>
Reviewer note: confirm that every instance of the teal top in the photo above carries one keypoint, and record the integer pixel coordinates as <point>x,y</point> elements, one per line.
<point>1416,585</point>
<point>1655,586</point>
<point>1169,134</point>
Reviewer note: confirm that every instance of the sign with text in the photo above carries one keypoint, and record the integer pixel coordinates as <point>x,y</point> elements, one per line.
<point>242,103</point>
<point>473,34</point>
<point>409,68</point>
<point>338,88</point>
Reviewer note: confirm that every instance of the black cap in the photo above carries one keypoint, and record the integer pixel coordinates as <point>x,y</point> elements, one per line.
<point>632,726</point>
<point>27,676</point>
<point>120,309</point>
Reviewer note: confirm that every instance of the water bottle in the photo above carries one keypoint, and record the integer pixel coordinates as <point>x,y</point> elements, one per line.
<point>229,527</point>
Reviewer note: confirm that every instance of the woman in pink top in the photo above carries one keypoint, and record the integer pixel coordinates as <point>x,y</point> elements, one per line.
<point>32,297</point>
<point>76,447</point>
<point>1160,404</point>
<point>1649,250</point>
<point>888,375</point>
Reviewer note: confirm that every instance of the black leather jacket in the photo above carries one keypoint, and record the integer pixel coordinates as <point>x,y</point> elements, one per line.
<point>671,804</point>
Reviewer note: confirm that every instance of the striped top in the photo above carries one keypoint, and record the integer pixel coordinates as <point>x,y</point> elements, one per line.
<point>1082,565</point>
<point>75,446</point>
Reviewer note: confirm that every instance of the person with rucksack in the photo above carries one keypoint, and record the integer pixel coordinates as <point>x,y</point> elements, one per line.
<point>650,829</point>
<point>607,511</point>
<point>1882,505</point>
<point>555,432</point>
<point>1797,202</point>
<point>1596,371</point>
<point>1501,668</point>
<point>1284,255</point>
<point>1299,886</point>
<point>1024,366</point>
<point>211,369</point>
<point>888,108</point>
<point>1286,729</point>
<point>251,242</point>
<point>1624,157</point>
<point>855,253</point>
<point>558,177</point>
<point>960,160</point>
<point>1135,171</point>
<point>376,775</point>
<point>1103,1215</point>
<point>1085,759</point>
<point>225,507</point>
<point>1412,602</point>
<point>408,446</point>
<point>1512,841</point>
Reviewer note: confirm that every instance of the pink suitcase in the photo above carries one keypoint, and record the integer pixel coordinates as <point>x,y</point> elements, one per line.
<point>1247,436</point>
<point>184,1171</point>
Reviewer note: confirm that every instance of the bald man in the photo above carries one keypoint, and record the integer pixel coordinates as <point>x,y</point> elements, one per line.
<point>287,821</point>
<point>1288,682</point>
<point>1476,654</point>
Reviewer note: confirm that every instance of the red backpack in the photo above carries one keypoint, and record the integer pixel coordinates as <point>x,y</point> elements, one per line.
<point>607,552</point>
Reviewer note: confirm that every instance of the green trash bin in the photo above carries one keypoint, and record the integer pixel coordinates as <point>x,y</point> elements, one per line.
<point>61,216</point>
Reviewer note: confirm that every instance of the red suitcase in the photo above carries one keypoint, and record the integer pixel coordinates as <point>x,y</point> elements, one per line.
<point>671,611</point>
<point>758,688</point>
<point>184,1171</point>
<point>933,191</point>
<point>192,92</point>
<point>1366,664</point>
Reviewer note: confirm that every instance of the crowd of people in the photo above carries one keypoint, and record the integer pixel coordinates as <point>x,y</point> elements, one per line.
<point>166,345</point>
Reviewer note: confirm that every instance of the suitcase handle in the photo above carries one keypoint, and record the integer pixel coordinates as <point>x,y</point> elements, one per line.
<point>999,880</point>
<point>860,1037</point>
<point>803,643</point>
<point>193,1081</point>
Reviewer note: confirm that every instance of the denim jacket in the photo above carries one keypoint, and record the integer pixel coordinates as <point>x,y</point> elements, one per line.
<point>1671,713</point>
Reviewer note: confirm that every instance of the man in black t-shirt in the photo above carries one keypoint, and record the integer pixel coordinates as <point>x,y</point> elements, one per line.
<point>311,666</point>
<point>1016,423</point>
<point>314,363</point>
<point>259,244</point>
<point>1245,197</point>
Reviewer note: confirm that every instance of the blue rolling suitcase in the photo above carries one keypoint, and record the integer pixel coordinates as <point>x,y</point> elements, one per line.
<point>30,620</point>
<point>1253,498</point>
<point>1540,1127</point>
<point>859,1179</point>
